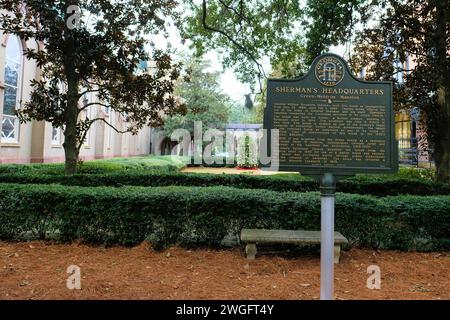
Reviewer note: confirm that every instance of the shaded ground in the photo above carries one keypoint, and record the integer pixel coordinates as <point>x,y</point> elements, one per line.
<point>37,270</point>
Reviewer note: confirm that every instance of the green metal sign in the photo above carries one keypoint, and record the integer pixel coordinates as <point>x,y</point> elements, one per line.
<point>330,121</point>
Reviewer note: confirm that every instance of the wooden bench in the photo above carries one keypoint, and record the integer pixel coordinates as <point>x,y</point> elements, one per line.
<point>253,236</point>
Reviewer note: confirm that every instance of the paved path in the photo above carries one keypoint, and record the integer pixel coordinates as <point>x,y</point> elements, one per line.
<point>228,171</point>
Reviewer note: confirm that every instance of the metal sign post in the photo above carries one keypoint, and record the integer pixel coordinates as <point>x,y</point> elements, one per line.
<point>327,197</point>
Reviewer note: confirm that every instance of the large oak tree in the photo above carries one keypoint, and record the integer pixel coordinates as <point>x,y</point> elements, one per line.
<point>95,46</point>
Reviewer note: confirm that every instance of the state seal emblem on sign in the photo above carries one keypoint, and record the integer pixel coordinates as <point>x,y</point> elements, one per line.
<point>329,71</point>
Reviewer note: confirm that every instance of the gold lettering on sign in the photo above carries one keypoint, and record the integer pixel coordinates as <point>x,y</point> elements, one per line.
<point>338,134</point>
<point>345,91</point>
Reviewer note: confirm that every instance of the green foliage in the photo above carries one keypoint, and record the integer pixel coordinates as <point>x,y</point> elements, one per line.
<point>404,172</point>
<point>193,216</point>
<point>329,23</point>
<point>204,99</point>
<point>289,33</point>
<point>247,32</point>
<point>376,185</point>
<point>149,163</point>
<point>240,114</point>
<point>246,152</point>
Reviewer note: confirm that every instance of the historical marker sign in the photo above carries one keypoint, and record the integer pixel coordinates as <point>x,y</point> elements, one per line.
<point>330,121</point>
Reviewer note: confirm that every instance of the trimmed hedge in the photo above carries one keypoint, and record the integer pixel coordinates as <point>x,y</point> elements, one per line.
<point>147,163</point>
<point>374,185</point>
<point>195,216</point>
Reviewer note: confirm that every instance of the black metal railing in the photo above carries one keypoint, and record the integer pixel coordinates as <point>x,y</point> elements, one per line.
<point>407,151</point>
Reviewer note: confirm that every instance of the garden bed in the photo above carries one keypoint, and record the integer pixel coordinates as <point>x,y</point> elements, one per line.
<point>37,270</point>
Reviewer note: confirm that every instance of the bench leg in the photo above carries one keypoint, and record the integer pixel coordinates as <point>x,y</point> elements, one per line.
<point>337,253</point>
<point>250,251</point>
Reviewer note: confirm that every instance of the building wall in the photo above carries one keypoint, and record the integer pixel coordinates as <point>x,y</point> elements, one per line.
<point>37,143</point>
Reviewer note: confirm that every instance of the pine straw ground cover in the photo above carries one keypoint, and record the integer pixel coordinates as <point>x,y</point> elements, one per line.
<point>37,270</point>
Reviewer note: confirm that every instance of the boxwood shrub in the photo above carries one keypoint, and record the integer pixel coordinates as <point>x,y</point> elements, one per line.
<point>203,216</point>
<point>144,163</point>
<point>369,186</point>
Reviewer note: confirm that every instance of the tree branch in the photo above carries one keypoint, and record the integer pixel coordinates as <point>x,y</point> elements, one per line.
<point>87,105</point>
<point>111,126</point>
<point>233,9</point>
<point>240,47</point>
<point>88,91</point>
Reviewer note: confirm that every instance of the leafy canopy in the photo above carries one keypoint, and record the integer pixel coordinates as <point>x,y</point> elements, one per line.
<point>204,99</point>
<point>287,34</point>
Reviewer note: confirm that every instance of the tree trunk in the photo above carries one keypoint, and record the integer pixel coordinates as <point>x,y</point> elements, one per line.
<point>443,163</point>
<point>70,133</point>
<point>71,111</point>
<point>442,143</point>
<point>70,149</point>
<point>442,138</point>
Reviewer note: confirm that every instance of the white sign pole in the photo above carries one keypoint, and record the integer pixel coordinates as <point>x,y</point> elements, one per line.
<point>327,197</point>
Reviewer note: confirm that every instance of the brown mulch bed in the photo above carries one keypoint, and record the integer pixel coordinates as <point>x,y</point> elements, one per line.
<point>37,270</point>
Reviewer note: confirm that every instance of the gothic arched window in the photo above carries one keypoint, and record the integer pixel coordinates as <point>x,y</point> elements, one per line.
<point>11,99</point>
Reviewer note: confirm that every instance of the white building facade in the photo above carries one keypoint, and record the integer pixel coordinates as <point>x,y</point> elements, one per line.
<point>38,141</point>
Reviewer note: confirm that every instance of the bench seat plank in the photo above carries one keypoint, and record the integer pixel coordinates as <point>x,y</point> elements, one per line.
<point>287,236</point>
